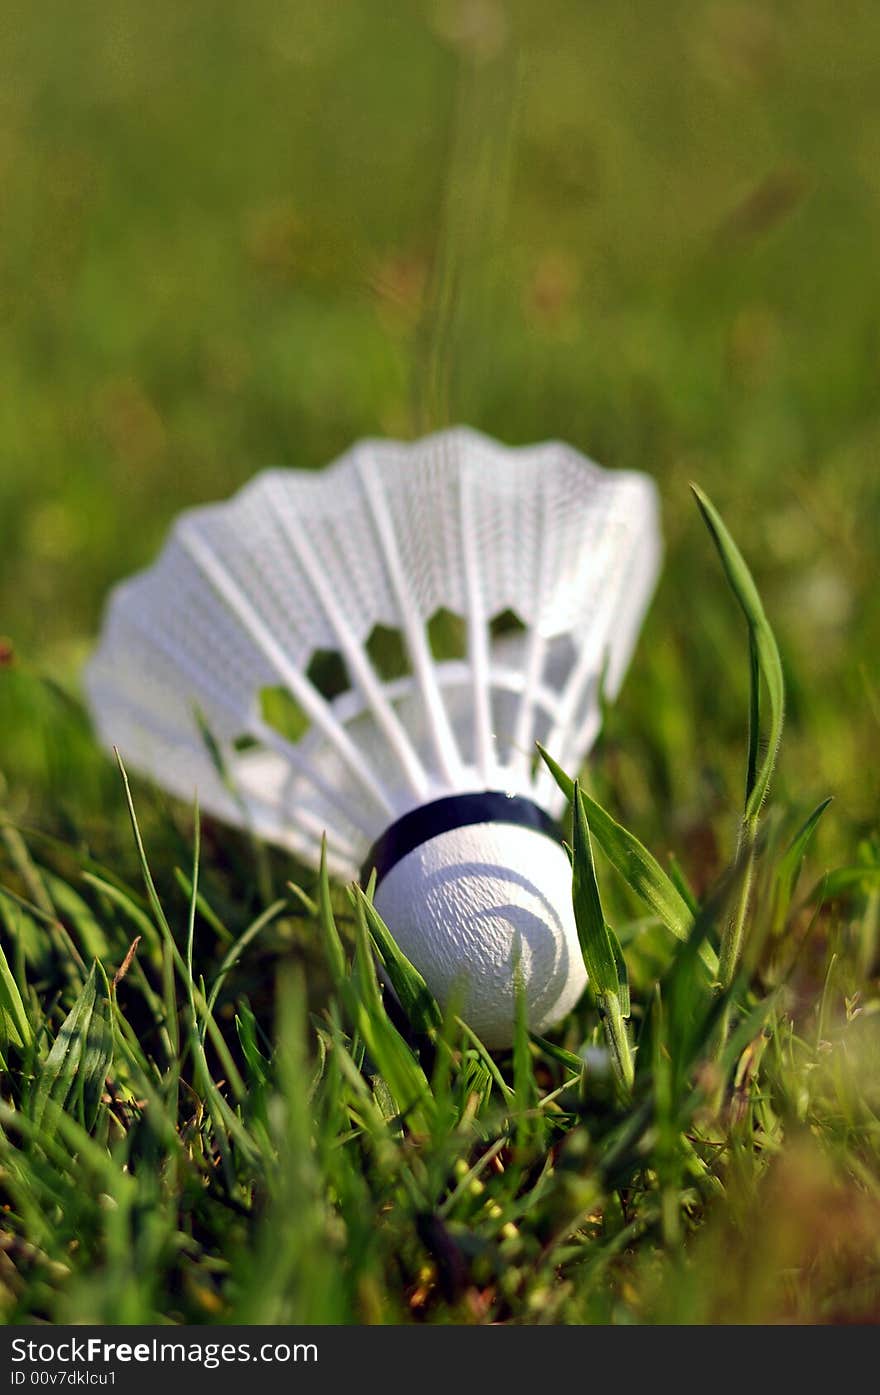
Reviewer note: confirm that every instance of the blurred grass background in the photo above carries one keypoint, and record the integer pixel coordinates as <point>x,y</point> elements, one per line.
<point>238,234</point>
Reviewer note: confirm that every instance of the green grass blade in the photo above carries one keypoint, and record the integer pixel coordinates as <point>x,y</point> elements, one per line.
<point>336,957</point>
<point>80,1057</point>
<point>206,911</point>
<point>754,734</point>
<point>16,1024</point>
<point>843,882</point>
<point>765,663</point>
<point>602,955</point>
<point>525,1114</point>
<point>149,884</point>
<point>681,884</point>
<point>595,941</point>
<point>257,1064</point>
<point>98,1053</point>
<point>639,869</point>
<point>235,951</point>
<point>91,933</point>
<point>765,669</point>
<point>485,1057</point>
<point>121,898</point>
<point>558,1053</point>
<point>412,992</point>
<point>622,973</point>
<point>390,1053</point>
<point>171,948</point>
<point>789,868</point>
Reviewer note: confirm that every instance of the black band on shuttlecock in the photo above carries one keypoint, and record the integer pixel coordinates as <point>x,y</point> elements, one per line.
<point>455,811</point>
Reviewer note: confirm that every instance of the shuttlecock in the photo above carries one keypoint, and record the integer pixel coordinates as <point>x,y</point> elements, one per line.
<point>374,650</point>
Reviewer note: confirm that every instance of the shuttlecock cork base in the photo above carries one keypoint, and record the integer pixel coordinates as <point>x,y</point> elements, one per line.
<point>476,887</point>
<point>507,585</point>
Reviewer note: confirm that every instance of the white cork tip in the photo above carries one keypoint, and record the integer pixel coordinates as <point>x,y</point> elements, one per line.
<point>469,903</point>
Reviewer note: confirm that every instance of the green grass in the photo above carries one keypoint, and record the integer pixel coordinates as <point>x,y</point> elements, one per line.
<point>177,1148</point>
<point>234,237</point>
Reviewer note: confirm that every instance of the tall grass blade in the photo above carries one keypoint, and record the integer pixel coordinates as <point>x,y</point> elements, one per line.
<point>764,661</point>
<point>602,955</point>
<point>15,1026</point>
<point>639,869</point>
<point>80,1057</point>
<point>390,1053</point>
<point>411,990</point>
<point>336,957</point>
<point>789,868</point>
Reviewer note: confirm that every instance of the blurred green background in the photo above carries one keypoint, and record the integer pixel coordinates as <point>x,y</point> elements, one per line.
<point>236,235</point>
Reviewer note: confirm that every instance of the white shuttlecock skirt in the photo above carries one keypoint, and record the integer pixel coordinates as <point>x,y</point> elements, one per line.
<point>543,564</point>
